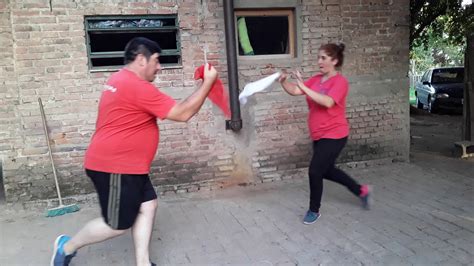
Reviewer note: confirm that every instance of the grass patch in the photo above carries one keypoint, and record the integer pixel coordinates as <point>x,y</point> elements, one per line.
<point>412,97</point>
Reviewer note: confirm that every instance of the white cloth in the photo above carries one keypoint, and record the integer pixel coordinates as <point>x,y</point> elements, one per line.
<point>257,86</point>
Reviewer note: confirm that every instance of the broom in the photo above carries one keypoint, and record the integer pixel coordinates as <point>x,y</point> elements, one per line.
<point>61,209</point>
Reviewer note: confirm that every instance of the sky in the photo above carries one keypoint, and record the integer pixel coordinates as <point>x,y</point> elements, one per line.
<point>466,2</point>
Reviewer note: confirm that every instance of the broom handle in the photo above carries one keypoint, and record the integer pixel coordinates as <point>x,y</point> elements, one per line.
<point>49,150</point>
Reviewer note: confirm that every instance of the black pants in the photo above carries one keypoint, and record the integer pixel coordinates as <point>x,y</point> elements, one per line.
<point>325,153</point>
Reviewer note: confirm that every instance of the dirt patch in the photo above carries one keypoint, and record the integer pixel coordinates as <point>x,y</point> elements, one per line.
<point>434,133</point>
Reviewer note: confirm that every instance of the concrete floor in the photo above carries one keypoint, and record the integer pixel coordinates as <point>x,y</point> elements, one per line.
<point>423,215</point>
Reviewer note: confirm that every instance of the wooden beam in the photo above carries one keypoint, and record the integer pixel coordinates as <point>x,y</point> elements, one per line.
<point>468,107</point>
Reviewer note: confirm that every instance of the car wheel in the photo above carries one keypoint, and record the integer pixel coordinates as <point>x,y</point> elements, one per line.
<point>431,106</point>
<point>419,105</point>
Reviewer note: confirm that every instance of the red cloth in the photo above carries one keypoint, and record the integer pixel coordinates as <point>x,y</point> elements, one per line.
<point>329,123</point>
<point>127,135</point>
<point>217,94</point>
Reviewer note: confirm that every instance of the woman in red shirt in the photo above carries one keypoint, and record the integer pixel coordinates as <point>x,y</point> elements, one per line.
<point>326,94</point>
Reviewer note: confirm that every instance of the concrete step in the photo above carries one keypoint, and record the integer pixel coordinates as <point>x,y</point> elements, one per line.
<point>464,149</point>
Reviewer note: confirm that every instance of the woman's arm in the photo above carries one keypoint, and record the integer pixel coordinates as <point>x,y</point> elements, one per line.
<point>317,97</point>
<point>290,88</point>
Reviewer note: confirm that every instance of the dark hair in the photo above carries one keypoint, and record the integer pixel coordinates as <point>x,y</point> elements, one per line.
<point>335,51</point>
<point>140,45</point>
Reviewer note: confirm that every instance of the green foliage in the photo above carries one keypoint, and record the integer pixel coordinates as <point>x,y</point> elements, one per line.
<point>435,52</point>
<point>440,18</point>
<point>438,32</point>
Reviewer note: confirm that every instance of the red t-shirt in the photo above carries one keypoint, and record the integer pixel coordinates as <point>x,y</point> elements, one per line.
<point>329,123</point>
<point>127,135</point>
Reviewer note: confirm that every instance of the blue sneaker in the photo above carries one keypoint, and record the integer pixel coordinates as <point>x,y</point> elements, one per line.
<point>311,217</point>
<point>59,256</point>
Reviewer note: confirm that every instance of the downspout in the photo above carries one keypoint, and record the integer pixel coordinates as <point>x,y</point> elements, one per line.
<point>235,123</point>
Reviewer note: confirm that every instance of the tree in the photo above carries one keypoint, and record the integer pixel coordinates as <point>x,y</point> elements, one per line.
<point>436,52</point>
<point>445,18</point>
<point>438,32</point>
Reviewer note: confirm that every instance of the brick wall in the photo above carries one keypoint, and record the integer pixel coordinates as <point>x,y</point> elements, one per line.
<point>376,34</point>
<point>9,119</point>
<point>44,55</point>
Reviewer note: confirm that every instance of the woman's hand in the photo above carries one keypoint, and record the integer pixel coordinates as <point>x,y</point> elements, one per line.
<point>289,87</point>
<point>283,77</point>
<point>299,79</point>
<point>297,75</point>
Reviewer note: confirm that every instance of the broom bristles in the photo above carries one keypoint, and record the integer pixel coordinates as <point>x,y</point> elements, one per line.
<point>61,210</point>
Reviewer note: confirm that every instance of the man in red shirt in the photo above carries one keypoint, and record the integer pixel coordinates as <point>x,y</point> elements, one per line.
<point>122,148</point>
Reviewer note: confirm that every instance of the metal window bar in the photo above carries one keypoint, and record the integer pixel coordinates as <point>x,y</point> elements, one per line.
<point>170,19</point>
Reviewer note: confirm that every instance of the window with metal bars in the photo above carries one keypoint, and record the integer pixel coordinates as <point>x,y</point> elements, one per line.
<point>107,36</point>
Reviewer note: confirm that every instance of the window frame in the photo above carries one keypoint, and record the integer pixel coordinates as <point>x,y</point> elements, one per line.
<point>429,76</point>
<point>425,76</point>
<point>115,54</point>
<point>269,11</point>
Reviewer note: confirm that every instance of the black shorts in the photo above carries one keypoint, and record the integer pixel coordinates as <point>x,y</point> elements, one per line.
<point>120,196</point>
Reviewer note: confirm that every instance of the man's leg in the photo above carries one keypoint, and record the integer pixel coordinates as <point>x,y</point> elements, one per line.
<point>94,231</point>
<point>141,231</point>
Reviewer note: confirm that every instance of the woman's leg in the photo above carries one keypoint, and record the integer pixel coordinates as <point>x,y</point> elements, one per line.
<point>321,162</point>
<point>337,175</point>
<point>325,153</point>
<point>335,146</point>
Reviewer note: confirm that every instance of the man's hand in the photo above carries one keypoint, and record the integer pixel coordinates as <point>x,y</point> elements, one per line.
<point>210,74</point>
<point>187,108</point>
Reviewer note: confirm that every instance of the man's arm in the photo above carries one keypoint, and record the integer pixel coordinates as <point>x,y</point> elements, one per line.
<point>184,110</point>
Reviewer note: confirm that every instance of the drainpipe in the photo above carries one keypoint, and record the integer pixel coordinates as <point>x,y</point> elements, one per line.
<point>235,123</point>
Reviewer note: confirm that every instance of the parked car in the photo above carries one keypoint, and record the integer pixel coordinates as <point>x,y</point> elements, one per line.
<point>441,88</point>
